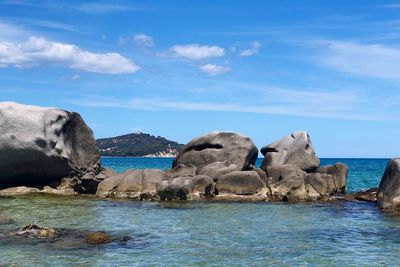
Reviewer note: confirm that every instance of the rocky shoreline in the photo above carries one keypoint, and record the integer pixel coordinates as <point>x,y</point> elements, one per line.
<point>52,151</point>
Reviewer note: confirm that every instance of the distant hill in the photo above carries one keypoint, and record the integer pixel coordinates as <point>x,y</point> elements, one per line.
<point>138,145</point>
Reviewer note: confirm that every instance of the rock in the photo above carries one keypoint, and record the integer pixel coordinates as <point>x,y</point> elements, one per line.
<point>389,188</point>
<point>136,184</point>
<point>240,183</point>
<point>62,192</point>
<point>97,238</point>
<point>281,172</point>
<point>287,184</point>
<point>369,195</point>
<point>340,171</point>
<point>218,147</point>
<point>4,219</point>
<point>203,186</point>
<point>324,184</point>
<point>295,149</point>
<point>17,191</point>
<point>40,145</point>
<point>32,230</point>
<point>177,189</point>
<point>182,170</point>
<point>217,169</point>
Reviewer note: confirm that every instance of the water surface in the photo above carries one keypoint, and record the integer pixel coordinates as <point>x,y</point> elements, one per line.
<point>207,233</point>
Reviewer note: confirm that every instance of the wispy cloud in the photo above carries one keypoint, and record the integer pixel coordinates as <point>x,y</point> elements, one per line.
<point>197,52</point>
<point>278,101</point>
<point>11,32</point>
<point>139,39</point>
<point>143,39</point>
<point>213,69</point>
<point>101,8</point>
<point>372,60</point>
<point>39,51</point>
<point>254,49</point>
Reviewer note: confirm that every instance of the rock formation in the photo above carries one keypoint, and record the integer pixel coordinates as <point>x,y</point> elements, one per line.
<point>295,149</point>
<point>42,145</point>
<point>388,197</point>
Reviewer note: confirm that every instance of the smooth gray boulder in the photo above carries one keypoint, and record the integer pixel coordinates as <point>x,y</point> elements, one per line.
<point>228,147</point>
<point>40,145</point>
<point>389,188</point>
<point>240,183</point>
<point>217,169</point>
<point>295,149</point>
<point>340,172</point>
<point>184,188</point>
<point>136,184</point>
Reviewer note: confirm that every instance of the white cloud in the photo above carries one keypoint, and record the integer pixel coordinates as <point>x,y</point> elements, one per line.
<point>38,51</point>
<point>97,8</point>
<point>143,40</point>
<point>373,60</point>
<point>213,69</point>
<point>197,52</point>
<point>254,49</point>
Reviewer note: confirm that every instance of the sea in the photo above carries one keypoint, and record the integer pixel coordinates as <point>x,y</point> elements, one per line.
<point>206,233</point>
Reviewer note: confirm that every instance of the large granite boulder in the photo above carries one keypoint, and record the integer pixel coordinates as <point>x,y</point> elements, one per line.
<point>135,184</point>
<point>290,183</point>
<point>40,145</point>
<point>185,188</point>
<point>240,183</point>
<point>295,149</point>
<point>389,188</point>
<point>227,147</point>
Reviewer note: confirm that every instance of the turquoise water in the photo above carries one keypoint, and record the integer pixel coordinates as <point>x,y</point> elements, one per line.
<point>206,233</point>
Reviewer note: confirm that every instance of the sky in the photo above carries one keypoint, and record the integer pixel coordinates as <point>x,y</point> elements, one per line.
<point>179,69</point>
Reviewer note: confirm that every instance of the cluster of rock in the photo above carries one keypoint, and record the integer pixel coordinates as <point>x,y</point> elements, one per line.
<point>55,151</point>
<point>221,165</point>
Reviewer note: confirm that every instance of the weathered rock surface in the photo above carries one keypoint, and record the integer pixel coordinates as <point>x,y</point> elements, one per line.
<point>369,195</point>
<point>228,147</point>
<point>40,145</point>
<point>240,183</point>
<point>217,169</point>
<point>136,184</point>
<point>32,230</point>
<point>17,191</point>
<point>184,188</point>
<point>389,188</point>
<point>97,238</point>
<point>295,149</point>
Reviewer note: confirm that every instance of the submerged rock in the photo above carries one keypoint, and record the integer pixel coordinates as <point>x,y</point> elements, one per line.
<point>213,147</point>
<point>388,197</point>
<point>32,230</point>
<point>97,238</point>
<point>4,219</point>
<point>295,149</point>
<point>369,195</point>
<point>40,145</point>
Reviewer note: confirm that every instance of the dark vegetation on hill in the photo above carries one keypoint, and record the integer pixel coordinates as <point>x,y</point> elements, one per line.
<point>137,145</point>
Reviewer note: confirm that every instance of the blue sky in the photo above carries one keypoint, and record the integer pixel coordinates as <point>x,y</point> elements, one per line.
<point>183,68</point>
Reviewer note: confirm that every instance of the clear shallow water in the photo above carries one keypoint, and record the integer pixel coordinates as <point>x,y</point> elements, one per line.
<point>207,234</point>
